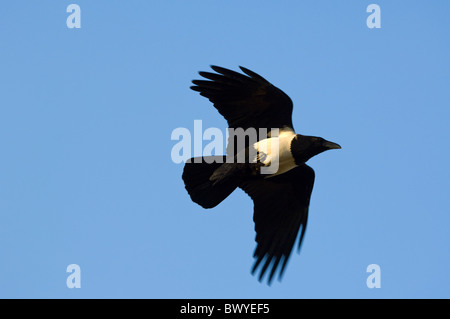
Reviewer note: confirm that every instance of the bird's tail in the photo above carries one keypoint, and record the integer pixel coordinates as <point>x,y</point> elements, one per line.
<point>203,190</point>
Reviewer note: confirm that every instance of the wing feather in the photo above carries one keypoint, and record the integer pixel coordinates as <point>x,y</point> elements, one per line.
<point>280,214</point>
<point>245,100</point>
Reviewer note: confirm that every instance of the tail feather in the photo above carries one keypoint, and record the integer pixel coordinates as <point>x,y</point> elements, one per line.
<point>203,191</point>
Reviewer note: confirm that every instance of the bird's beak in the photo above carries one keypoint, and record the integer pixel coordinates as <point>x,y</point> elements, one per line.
<point>331,145</point>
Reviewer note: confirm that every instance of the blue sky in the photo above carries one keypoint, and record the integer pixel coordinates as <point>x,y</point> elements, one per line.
<point>86,175</point>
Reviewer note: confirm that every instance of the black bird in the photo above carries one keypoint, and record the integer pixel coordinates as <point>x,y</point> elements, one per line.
<point>281,199</point>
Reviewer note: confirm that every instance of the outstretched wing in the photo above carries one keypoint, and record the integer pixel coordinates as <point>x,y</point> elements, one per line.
<point>280,211</point>
<point>245,100</point>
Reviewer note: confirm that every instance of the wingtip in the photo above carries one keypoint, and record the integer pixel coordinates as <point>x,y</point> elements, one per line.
<point>245,70</point>
<point>261,278</point>
<point>195,88</point>
<point>252,74</point>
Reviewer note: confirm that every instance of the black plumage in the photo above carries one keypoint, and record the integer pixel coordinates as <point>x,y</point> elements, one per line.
<point>281,199</point>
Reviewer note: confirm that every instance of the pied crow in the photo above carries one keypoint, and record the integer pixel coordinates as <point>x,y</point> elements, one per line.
<point>281,198</point>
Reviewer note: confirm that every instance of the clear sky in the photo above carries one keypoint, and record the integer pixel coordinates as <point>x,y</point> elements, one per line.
<point>86,175</point>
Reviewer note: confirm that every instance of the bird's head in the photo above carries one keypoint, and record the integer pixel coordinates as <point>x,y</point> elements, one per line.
<point>304,147</point>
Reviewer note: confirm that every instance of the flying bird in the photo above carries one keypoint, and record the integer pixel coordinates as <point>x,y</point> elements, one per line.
<point>281,198</point>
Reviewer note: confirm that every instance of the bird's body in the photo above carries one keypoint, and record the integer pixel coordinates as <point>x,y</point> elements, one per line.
<point>276,151</point>
<point>271,170</point>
